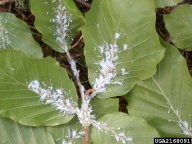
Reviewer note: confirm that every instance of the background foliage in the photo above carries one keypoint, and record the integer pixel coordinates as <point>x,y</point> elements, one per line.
<point>180,30</point>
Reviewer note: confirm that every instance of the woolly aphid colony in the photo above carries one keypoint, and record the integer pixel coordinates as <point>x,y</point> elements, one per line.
<point>106,73</point>
<point>4,35</point>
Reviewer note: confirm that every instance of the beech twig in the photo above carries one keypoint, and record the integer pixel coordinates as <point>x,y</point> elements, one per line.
<point>86,139</point>
<point>77,43</point>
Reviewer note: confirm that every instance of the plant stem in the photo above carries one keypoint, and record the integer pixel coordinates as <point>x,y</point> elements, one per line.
<point>86,139</point>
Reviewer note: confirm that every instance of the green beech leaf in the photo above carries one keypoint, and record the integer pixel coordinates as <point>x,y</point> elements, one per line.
<point>69,132</point>
<point>165,99</point>
<point>136,128</point>
<point>136,25</point>
<point>104,106</point>
<point>21,104</point>
<point>164,3</point>
<point>15,34</point>
<point>13,133</point>
<point>45,13</point>
<point>178,23</point>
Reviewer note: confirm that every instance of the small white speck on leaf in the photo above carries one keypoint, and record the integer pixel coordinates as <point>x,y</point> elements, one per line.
<point>117,35</point>
<point>125,46</point>
<point>124,72</point>
<point>129,139</point>
<point>46,3</point>
<point>58,139</point>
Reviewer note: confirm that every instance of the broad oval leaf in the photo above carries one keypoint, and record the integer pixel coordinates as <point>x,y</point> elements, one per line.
<point>165,100</point>
<point>12,132</point>
<point>44,11</point>
<point>164,3</point>
<point>130,26</point>
<point>21,104</point>
<point>178,23</point>
<point>71,132</point>
<point>15,34</point>
<point>136,128</point>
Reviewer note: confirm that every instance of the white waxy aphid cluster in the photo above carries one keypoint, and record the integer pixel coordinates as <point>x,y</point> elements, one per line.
<point>84,114</point>
<point>108,72</point>
<point>62,21</point>
<point>65,105</point>
<point>72,134</point>
<point>187,130</point>
<point>57,99</point>
<point>63,34</point>
<point>104,127</point>
<point>4,37</point>
<point>121,137</point>
<point>107,66</point>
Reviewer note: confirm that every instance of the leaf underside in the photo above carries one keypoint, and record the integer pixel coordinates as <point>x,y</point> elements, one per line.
<point>104,106</point>
<point>44,14</point>
<point>15,34</point>
<point>21,104</point>
<point>137,30</point>
<point>136,128</point>
<point>13,133</point>
<point>70,132</point>
<point>170,86</point>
